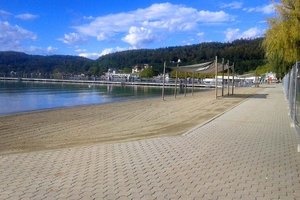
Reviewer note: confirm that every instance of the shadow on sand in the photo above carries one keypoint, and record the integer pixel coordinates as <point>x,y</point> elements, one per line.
<point>254,96</point>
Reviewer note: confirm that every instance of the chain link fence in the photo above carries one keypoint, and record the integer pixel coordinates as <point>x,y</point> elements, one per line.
<point>291,84</point>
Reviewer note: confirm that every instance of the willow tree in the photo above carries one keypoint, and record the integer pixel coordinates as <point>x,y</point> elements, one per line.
<point>282,41</point>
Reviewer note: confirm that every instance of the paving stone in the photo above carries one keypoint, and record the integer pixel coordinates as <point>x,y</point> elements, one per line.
<point>250,152</point>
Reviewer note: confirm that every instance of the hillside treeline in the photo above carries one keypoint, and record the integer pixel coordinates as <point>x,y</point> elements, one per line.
<point>246,54</point>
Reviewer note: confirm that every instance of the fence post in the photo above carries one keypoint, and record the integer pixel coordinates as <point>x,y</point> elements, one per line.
<point>295,91</point>
<point>216,75</point>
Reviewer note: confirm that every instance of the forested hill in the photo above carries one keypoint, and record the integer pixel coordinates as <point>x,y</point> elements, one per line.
<point>247,55</point>
<point>24,63</point>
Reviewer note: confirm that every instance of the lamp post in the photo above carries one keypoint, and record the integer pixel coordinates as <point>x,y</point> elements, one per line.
<point>233,74</point>
<point>175,89</point>
<point>164,75</point>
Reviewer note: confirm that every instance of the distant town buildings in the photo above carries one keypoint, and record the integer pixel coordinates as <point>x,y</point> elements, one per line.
<point>119,75</point>
<point>139,68</point>
<point>115,75</point>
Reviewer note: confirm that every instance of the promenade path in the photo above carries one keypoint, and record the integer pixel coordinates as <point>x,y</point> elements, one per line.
<point>249,152</point>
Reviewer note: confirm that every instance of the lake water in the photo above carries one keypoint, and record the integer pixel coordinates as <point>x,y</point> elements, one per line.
<point>16,97</point>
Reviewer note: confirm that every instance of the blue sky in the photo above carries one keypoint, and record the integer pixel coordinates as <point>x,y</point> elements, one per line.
<point>92,28</point>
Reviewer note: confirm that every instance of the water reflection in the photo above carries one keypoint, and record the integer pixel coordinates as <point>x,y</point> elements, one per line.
<point>28,96</point>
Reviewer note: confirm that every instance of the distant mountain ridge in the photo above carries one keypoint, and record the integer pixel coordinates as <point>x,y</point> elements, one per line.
<point>24,63</point>
<point>247,55</point>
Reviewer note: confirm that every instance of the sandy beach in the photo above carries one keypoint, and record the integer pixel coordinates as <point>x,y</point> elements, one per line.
<point>110,123</point>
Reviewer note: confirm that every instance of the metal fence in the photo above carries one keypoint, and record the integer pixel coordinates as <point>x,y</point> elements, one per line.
<point>291,84</point>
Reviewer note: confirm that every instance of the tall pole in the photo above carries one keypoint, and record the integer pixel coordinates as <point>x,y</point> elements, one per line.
<point>233,74</point>
<point>216,76</point>
<point>163,89</point>
<point>228,77</point>
<point>193,84</point>
<point>185,84</point>
<point>222,76</point>
<point>175,89</point>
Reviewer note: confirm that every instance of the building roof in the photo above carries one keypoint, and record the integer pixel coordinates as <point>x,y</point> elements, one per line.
<point>203,68</point>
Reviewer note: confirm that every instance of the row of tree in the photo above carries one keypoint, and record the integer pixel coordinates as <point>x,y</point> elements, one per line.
<point>282,39</point>
<point>247,55</point>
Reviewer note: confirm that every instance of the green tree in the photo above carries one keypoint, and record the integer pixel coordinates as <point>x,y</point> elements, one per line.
<point>127,70</point>
<point>263,69</point>
<point>94,70</point>
<point>282,41</point>
<point>147,73</point>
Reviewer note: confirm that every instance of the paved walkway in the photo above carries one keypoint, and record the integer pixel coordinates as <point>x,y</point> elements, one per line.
<point>249,152</point>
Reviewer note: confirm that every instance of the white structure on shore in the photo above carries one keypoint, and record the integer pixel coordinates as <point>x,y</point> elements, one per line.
<point>139,68</point>
<point>114,75</point>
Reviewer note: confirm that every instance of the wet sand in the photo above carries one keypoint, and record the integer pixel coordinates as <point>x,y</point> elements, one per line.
<point>110,123</point>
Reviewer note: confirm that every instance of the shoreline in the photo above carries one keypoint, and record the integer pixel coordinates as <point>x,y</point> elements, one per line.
<point>167,84</point>
<point>99,104</point>
<point>112,122</point>
<point>114,99</point>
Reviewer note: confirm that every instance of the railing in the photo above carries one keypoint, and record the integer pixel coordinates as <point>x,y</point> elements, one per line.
<point>291,84</point>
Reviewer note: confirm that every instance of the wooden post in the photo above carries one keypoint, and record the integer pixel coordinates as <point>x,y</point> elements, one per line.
<point>193,84</point>
<point>222,76</point>
<point>216,76</point>
<point>233,74</point>
<point>228,78</point>
<point>185,84</point>
<point>163,89</point>
<point>175,89</point>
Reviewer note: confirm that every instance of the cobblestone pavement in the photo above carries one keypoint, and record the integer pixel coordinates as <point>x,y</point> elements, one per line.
<point>250,152</point>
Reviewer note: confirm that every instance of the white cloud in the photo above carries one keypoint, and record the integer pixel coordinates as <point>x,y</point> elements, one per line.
<point>266,9</point>
<point>40,50</point>
<point>107,51</point>
<point>252,33</point>
<point>93,56</point>
<point>80,50</point>
<point>96,55</point>
<point>12,37</point>
<point>233,5</point>
<point>51,49</point>
<point>146,25</point>
<point>4,14</point>
<point>72,38</point>
<point>88,17</point>
<point>26,16</point>
<point>213,17</point>
<point>138,37</point>
<point>200,34</point>
<point>233,34</point>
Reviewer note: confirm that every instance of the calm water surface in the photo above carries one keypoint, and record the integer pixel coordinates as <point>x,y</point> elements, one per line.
<point>16,97</point>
